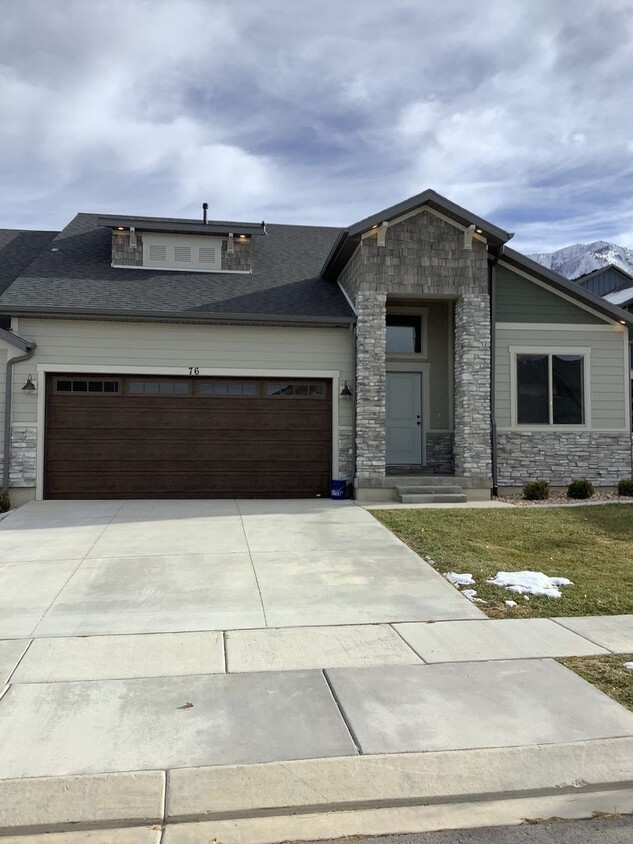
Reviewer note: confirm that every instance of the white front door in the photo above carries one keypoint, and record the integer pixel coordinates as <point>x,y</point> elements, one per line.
<point>404,418</point>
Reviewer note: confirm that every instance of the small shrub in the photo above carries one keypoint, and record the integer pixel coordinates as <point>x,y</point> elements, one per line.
<point>580,489</point>
<point>536,491</point>
<point>5,502</point>
<point>625,487</point>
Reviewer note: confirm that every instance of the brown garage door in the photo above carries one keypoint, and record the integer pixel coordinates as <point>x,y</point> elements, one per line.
<point>151,437</point>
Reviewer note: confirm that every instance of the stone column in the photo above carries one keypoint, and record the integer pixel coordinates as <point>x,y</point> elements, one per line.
<point>472,386</point>
<point>370,384</point>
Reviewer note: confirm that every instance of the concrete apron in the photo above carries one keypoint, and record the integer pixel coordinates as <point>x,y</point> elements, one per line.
<point>325,798</point>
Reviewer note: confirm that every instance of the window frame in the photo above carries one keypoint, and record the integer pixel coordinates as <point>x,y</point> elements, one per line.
<point>294,382</point>
<point>158,380</point>
<point>550,351</point>
<point>423,315</point>
<point>88,392</point>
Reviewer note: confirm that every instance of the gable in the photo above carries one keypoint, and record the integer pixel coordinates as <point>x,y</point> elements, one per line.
<point>521,300</point>
<point>605,281</point>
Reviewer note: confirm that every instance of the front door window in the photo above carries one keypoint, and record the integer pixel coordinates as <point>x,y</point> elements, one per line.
<point>403,334</point>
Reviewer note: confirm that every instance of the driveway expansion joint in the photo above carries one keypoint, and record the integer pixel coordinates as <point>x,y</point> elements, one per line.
<point>346,721</point>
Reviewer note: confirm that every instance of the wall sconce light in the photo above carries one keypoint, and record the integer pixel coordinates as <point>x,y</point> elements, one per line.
<point>346,393</point>
<point>29,387</point>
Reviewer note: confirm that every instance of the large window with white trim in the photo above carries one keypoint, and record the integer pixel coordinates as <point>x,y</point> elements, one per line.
<point>550,389</point>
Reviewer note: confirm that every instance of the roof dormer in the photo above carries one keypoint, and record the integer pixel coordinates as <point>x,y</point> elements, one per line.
<point>159,243</point>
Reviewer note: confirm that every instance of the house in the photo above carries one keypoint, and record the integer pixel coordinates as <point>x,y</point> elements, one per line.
<point>615,285</point>
<point>154,357</point>
<point>605,280</point>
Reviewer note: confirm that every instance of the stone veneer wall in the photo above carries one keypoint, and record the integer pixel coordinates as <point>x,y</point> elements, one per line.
<point>472,385</point>
<point>22,468</point>
<point>423,255</point>
<point>346,452</point>
<point>240,258</point>
<point>122,254</point>
<point>563,456</point>
<point>439,452</point>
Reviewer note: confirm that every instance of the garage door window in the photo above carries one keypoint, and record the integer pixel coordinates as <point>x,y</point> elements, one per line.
<point>158,388</point>
<point>302,390</point>
<point>81,385</point>
<point>232,389</point>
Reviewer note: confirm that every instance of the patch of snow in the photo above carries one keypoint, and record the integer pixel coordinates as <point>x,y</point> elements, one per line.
<point>459,579</point>
<point>530,583</point>
<point>628,666</point>
<point>510,603</point>
<point>479,601</point>
<point>469,593</point>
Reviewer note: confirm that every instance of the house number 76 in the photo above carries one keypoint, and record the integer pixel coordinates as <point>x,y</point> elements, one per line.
<point>194,370</point>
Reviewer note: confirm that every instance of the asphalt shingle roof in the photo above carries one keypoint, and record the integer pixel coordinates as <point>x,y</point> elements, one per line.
<point>73,273</point>
<point>17,250</point>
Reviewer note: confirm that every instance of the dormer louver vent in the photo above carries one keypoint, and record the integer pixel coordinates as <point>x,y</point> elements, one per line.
<point>157,252</point>
<point>187,253</point>
<point>182,254</point>
<point>207,255</point>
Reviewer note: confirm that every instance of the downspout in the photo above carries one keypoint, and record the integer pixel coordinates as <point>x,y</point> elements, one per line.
<point>492,292</point>
<point>7,414</point>
<point>355,409</point>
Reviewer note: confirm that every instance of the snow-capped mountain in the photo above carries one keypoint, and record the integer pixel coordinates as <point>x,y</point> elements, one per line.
<point>573,261</point>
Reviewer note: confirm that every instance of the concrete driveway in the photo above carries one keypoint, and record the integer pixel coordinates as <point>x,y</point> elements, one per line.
<point>77,568</point>
<point>157,657</point>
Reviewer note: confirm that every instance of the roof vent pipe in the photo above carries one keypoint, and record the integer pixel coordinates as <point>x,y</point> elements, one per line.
<point>205,208</point>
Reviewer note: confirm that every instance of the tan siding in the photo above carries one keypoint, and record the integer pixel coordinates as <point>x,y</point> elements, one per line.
<point>608,399</point>
<point>254,348</point>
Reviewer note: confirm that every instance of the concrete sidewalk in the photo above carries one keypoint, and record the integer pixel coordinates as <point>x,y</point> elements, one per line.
<point>222,728</point>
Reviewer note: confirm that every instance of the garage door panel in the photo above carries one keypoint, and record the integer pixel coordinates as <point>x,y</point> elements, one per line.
<point>186,485</point>
<point>179,446</point>
<point>250,418</point>
<point>185,449</point>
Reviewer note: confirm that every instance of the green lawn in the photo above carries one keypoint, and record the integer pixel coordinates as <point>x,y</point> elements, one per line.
<point>607,673</point>
<point>592,546</point>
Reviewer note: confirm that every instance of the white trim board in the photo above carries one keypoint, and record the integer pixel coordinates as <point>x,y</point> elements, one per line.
<point>98,369</point>
<point>556,326</point>
<point>189,270</point>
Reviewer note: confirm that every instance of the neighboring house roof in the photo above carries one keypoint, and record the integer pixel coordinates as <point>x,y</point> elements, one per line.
<point>564,285</point>
<point>349,238</point>
<point>621,297</point>
<point>75,277</point>
<point>17,249</point>
<point>627,278</point>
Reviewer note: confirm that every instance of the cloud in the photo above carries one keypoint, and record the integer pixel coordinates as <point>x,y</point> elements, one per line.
<point>320,113</point>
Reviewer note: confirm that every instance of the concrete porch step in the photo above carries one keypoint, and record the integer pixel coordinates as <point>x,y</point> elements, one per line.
<point>429,492</point>
<point>429,489</point>
<point>437,498</point>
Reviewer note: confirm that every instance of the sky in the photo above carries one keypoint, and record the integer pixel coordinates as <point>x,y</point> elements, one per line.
<point>295,111</point>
